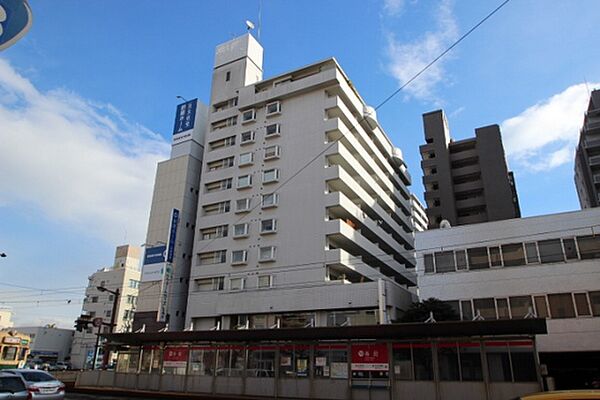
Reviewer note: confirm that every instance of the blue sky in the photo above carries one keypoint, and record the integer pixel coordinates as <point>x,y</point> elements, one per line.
<point>87,99</point>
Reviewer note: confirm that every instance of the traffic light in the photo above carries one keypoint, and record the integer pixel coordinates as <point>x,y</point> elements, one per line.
<point>82,323</point>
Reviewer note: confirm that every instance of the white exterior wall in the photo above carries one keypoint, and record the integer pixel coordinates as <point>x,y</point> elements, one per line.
<point>318,106</point>
<point>45,342</point>
<point>572,334</point>
<point>5,318</point>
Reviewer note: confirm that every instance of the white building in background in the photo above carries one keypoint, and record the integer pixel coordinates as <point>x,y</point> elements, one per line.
<point>419,215</point>
<point>5,318</point>
<point>304,215</point>
<point>546,266</point>
<point>124,275</point>
<point>48,343</point>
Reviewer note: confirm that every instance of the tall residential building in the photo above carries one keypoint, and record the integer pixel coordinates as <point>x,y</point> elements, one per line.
<point>170,237</point>
<point>5,318</point>
<point>124,275</point>
<point>544,266</point>
<point>466,181</point>
<point>419,215</point>
<point>304,216</point>
<point>587,158</point>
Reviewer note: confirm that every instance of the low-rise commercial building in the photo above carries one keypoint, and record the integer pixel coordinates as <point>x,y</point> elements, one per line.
<point>546,267</point>
<point>48,344</point>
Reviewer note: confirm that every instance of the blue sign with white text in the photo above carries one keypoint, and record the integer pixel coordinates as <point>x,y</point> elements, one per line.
<point>155,255</point>
<point>15,21</point>
<point>186,114</point>
<point>172,235</point>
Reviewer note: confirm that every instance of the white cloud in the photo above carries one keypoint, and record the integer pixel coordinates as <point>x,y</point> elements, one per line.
<point>545,135</point>
<point>407,59</point>
<point>80,163</point>
<point>393,7</point>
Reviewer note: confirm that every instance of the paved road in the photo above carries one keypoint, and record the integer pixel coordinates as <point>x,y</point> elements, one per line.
<point>78,396</point>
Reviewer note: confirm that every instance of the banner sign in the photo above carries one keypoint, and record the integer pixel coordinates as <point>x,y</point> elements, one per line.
<point>15,21</point>
<point>154,263</point>
<point>11,340</point>
<point>175,357</point>
<point>155,255</point>
<point>164,294</point>
<point>370,357</point>
<point>172,235</point>
<point>152,272</point>
<point>185,117</point>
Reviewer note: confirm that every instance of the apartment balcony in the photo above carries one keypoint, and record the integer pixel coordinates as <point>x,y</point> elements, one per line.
<point>592,125</point>
<point>472,219</point>
<point>468,186</point>
<point>429,163</point>
<point>352,266</point>
<point>463,154</point>
<point>596,179</point>
<point>471,202</point>
<point>430,178</point>
<point>432,194</point>
<point>592,143</point>
<point>594,160</point>
<point>352,240</point>
<point>426,148</point>
<point>467,170</point>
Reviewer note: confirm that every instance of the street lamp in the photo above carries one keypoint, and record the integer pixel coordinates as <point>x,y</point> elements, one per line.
<point>181,97</point>
<point>116,293</point>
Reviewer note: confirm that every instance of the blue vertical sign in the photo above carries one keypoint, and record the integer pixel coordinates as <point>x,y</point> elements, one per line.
<point>185,117</point>
<point>15,21</point>
<point>172,235</point>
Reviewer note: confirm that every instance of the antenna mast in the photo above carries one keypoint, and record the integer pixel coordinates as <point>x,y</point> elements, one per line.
<point>259,18</point>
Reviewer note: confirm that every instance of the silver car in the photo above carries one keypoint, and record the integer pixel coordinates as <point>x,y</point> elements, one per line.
<point>41,384</point>
<point>12,387</point>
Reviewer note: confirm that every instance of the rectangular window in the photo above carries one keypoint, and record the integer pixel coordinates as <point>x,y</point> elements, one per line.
<point>220,164</point>
<point>221,143</point>
<point>551,251</point>
<point>513,254</point>
<point>541,307</point>
<point>402,358</point>
<point>247,137</point>
<point>214,232</point>
<point>244,181</point>
<point>270,175</point>
<point>261,362</point>
<point>224,123</point>
<point>582,305</point>
<point>265,281</point>
<point>570,249</point>
<point>561,305</point>
<point>486,308</point>
<point>241,230</point>
<point>236,284</point>
<point>467,310</point>
<point>212,257</point>
<point>230,361</point>
<point>248,116</point>
<point>461,259</point>
<point>448,362</point>
<point>134,284</point>
<point>202,362</point>
<point>268,225</point>
<point>269,200</point>
<point>495,258</point>
<point>216,208</point>
<point>595,303</point>
<point>478,258</point>
<point>218,186</point>
<point>498,360</point>
<point>272,152</point>
<point>266,254</point>
<point>428,260</point>
<point>246,159</point>
<point>444,262</point>
<point>272,130</point>
<point>94,299</point>
<point>470,362</point>
<point>523,363</point>
<point>531,252</point>
<point>210,284</point>
<point>520,306</point>
<point>239,257</point>
<point>502,306</point>
<point>273,108</point>
<point>242,205</point>
<point>589,246</point>
<point>423,362</point>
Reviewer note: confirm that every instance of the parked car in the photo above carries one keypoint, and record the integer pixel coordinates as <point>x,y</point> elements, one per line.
<point>59,366</point>
<point>12,387</point>
<point>41,385</point>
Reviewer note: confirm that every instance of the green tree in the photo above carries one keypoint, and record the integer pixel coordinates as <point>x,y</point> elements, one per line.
<point>420,311</point>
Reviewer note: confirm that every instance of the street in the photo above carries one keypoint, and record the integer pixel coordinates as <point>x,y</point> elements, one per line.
<point>80,396</point>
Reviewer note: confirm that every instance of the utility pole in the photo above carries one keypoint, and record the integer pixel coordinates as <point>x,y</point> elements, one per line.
<point>113,317</point>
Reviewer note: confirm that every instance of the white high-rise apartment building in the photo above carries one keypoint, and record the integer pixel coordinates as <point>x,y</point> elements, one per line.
<point>304,216</point>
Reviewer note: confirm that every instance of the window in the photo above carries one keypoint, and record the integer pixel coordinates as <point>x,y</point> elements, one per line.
<point>202,361</point>
<point>94,299</point>
<point>266,254</point>
<point>247,137</point>
<point>107,313</point>
<point>486,308</point>
<point>595,303</point>
<point>225,105</point>
<point>244,181</point>
<point>589,246</point>
<point>444,261</point>
<point>478,258</point>
<point>240,230</point>
<point>221,143</point>
<point>268,225</point>
<point>239,257</point>
<point>498,360</point>
<point>133,284</point>
<point>214,232</point>
<point>246,159</point>
<point>428,261</point>
<point>236,284</point>
<point>495,258</point>
<point>294,361</point>
<point>461,259</point>
<point>224,123</point>
<point>532,253</point>
<point>272,130</point>
<point>448,362</point>
<point>520,306</point>
<point>210,284</point>
<point>502,306</point>
<point>272,152</point>
<point>541,307</point>
<point>9,353</point>
<point>242,205</point>
<point>582,305</point>
<point>273,108</point>
<point>218,186</point>
<point>331,361</point>
<point>467,310</point>
<point>261,361</point>
<point>270,175</point>
<point>550,251</point>
<point>216,208</point>
<point>423,362</point>
<point>265,281</point>
<point>513,254</point>
<point>227,76</point>
<point>570,249</point>
<point>523,362</point>
<point>561,305</point>
<point>219,164</point>
<point>248,116</point>
<point>470,361</point>
<point>269,200</point>
<point>212,257</point>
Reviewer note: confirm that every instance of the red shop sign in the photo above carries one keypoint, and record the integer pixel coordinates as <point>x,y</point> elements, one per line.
<point>370,357</point>
<point>175,357</point>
